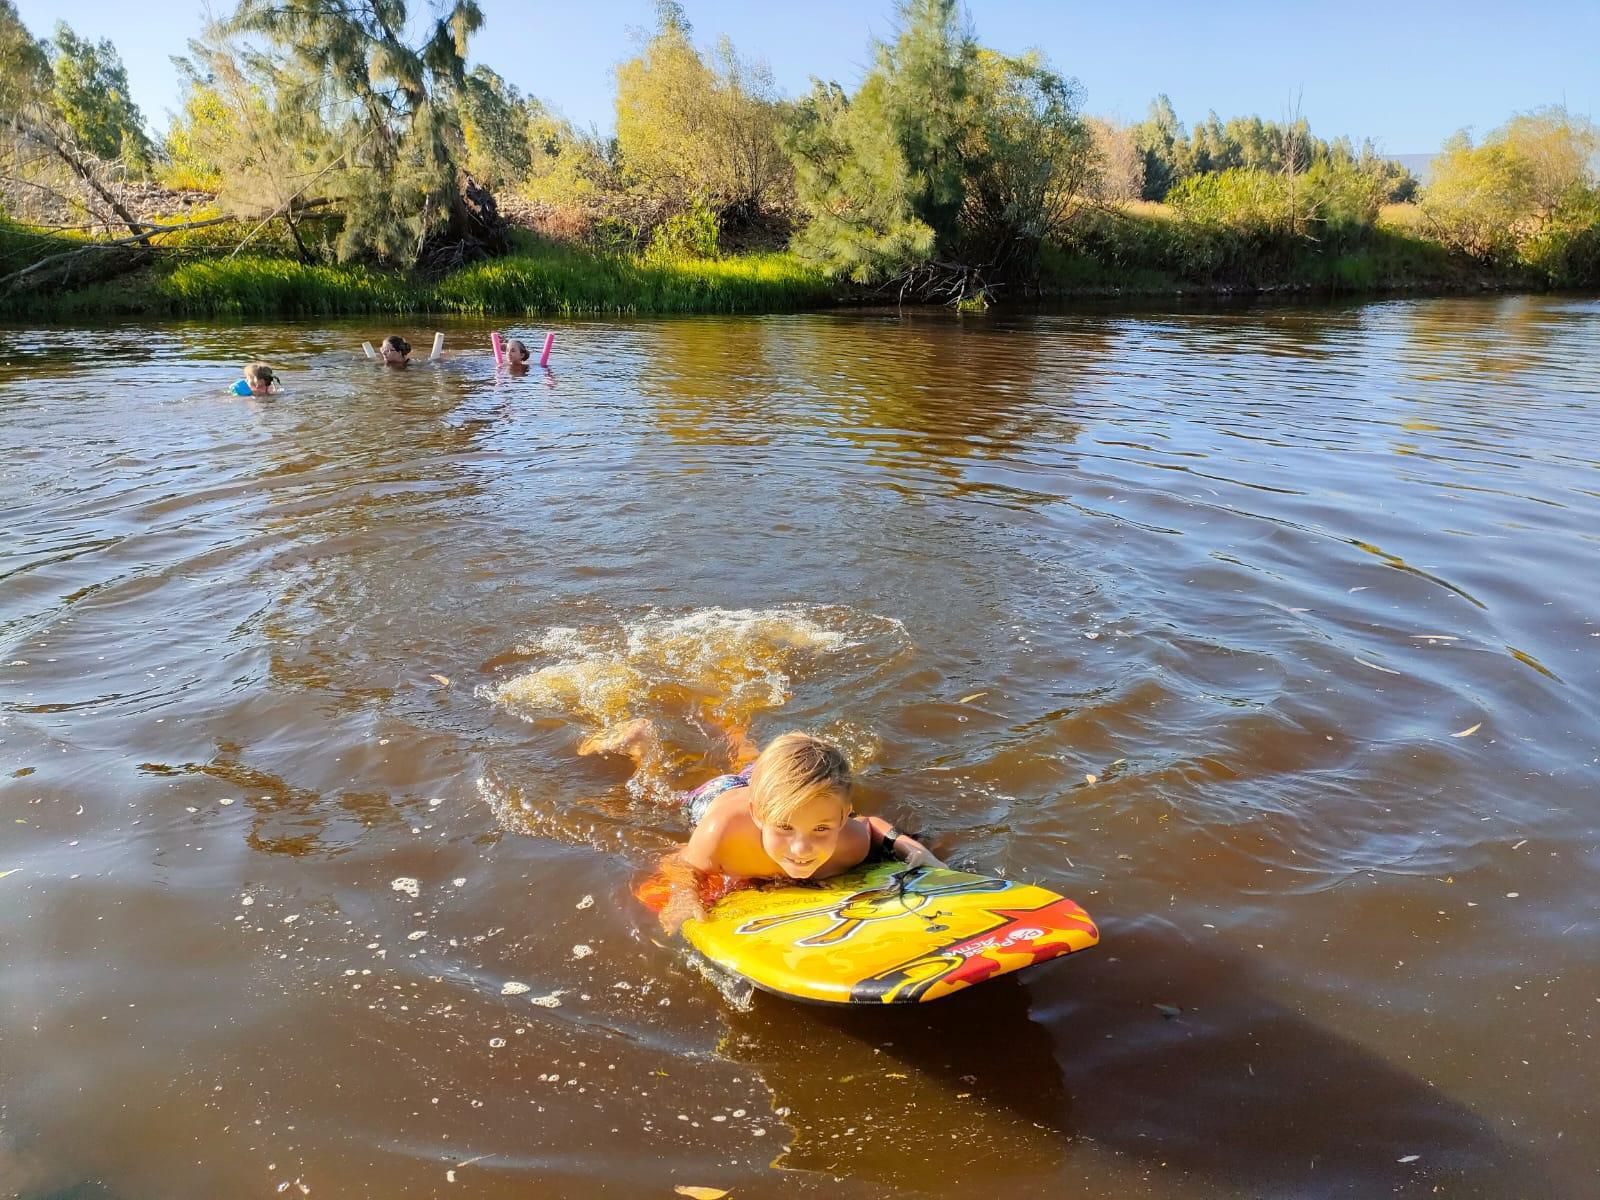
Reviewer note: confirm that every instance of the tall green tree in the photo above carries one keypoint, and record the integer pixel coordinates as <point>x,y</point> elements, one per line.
<point>1160,138</point>
<point>235,138</point>
<point>25,79</point>
<point>1027,160</point>
<point>91,91</point>
<point>496,123</point>
<point>854,182</point>
<point>947,169</point>
<point>698,129</point>
<point>378,107</point>
<point>39,145</point>
<point>1497,198</point>
<point>881,174</point>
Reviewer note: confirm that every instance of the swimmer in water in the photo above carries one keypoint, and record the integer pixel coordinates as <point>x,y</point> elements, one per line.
<point>395,351</point>
<point>259,380</point>
<point>787,815</point>
<point>517,356</point>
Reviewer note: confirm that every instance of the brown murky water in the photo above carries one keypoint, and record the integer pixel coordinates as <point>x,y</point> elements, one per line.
<point>1312,593</point>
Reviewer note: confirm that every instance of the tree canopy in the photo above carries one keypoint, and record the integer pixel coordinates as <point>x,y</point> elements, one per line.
<point>947,169</point>
<point>91,90</point>
<point>698,129</point>
<point>377,108</point>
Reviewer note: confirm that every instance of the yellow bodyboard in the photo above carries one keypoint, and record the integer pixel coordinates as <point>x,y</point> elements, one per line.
<point>884,934</point>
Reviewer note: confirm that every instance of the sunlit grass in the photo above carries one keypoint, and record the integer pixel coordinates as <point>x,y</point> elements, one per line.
<point>542,282</point>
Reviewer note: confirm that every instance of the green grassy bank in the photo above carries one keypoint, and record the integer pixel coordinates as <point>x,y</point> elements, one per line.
<point>546,282</point>
<point>1146,249</point>
<point>1136,250</point>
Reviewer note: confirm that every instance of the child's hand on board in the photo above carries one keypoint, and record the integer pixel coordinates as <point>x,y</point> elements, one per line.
<point>683,905</point>
<point>921,856</point>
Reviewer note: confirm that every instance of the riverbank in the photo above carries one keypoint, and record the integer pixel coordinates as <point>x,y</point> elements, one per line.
<point>545,281</point>
<point>1137,251</point>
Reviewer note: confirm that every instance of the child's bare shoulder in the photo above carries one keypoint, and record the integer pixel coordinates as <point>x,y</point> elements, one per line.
<point>726,821</point>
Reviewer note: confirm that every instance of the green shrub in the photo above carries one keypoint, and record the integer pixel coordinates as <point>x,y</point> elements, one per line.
<point>1565,251</point>
<point>688,234</point>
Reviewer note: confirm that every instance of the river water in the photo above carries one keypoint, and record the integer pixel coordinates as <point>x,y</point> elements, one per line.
<point>1271,636</point>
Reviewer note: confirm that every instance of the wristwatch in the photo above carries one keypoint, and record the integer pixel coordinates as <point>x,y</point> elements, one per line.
<point>890,836</point>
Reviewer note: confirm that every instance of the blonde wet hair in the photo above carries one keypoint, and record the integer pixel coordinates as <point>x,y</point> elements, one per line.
<point>259,374</point>
<point>793,770</point>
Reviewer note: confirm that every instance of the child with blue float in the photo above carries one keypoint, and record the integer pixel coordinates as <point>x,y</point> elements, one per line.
<point>259,380</point>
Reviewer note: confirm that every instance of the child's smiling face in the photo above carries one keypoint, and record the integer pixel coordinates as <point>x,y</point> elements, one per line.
<point>803,841</point>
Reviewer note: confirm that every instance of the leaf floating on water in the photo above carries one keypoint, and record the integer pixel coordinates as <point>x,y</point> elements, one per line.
<point>1091,779</point>
<point>1375,666</point>
<point>444,680</point>
<point>974,696</point>
<point>1469,730</point>
<point>700,1193</point>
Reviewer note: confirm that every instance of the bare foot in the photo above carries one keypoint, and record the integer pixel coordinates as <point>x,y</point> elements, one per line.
<point>632,738</point>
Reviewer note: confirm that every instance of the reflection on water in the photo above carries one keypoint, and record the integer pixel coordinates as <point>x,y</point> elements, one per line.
<point>1267,634</point>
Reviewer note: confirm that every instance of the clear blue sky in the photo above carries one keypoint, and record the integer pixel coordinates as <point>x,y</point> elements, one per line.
<point>1405,72</point>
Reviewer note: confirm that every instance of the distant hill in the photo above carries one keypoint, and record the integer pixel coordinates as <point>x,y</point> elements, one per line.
<point>1420,165</point>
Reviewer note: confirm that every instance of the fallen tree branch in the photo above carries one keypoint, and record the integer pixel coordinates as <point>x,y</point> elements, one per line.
<point>147,231</point>
<point>77,161</point>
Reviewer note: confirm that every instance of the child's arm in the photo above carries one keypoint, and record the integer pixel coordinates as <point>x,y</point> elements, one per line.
<point>902,845</point>
<point>686,873</point>
<point>683,900</point>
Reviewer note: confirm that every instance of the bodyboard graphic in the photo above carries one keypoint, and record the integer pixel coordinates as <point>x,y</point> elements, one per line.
<point>884,934</point>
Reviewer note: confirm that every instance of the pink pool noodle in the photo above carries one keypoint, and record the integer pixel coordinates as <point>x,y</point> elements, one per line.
<point>494,344</point>
<point>549,340</point>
